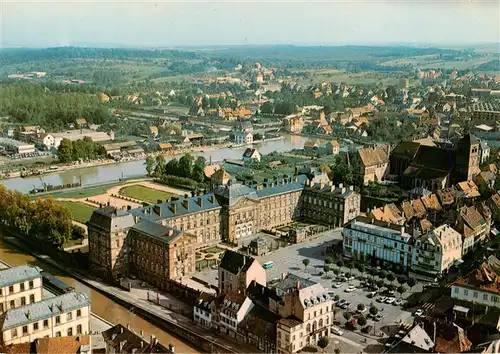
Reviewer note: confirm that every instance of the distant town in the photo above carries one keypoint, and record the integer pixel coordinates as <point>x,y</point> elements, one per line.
<point>250,204</point>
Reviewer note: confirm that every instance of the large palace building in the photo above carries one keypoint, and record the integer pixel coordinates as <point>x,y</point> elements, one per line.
<point>158,242</point>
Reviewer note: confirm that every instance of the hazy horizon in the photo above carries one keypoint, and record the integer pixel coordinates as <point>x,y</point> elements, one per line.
<point>203,24</point>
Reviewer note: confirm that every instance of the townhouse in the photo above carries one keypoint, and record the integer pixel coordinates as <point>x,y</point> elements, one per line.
<point>19,286</point>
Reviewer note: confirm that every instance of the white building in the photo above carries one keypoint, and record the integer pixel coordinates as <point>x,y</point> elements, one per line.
<point>436,251</point>
<point>47,140</point>
<point>202,312</point>
<point>230,309</point>
<point>251,155</point>
<point>484,152</point>
<point>18,146</point>
<point>59,316</point>
<point>369,239</point>
<point>243,138</point>
<point>19,286</point>
<point>480,286</point>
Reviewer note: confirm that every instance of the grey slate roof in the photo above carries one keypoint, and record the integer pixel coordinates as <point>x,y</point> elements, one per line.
<point>331,190</point>
<point>280,188</point>
<point>235,262</point>
<point>164,233</point>
<point>207,201</point>
<point>291,281</point>
<point>44,309</point>
<point>233,192</point>
<point>112,219</point>
<point>18,274</point>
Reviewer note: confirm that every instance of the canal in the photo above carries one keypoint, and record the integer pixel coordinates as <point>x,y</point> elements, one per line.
<point>110,173</point>
<point>101,305</point>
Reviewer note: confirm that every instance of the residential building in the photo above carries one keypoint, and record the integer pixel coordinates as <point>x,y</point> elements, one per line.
<point>122,340</point>
<point>202,311</point>
<point>293,123</point>
<point>58,345</point>
<point>229,310</point>
<point>311,145</point>
<point>306,311</point>
<point>485,182</point>
<point>377,242</point>
<point>81,123</point>
<point>473,226</point>
<point>153,131</point>
<point>329,204</point>
<point>494,204</point>
<point>374,163</point>
<point>79,134</point>
<point>19,286</point>
<point>480,286</point>
<point>237,271</point>
<point>46,140</point>
<point>243,138</point>
<point>484,113</point>
<point>59,316</point>
<point>434,252</point>
<point>390,213</point>
<point>251,155</point>
<point>333,147</point>
<point>220,177</point>
<point>417,340</point>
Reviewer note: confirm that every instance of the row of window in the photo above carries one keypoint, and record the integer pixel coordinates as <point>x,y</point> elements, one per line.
<point>22,287</point>
<point>475,295</point>
<point>46,325</point>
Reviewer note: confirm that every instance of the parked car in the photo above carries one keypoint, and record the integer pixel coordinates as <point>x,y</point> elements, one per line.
<point>362,311</point>
<point>350,289</point>
<point>367,329</point>
<point>381,299</point>
<point>419,312</point>
<point>378,317</point>
<point>398,302</point>
<point>337,285</point>
<point>345,305</point>
<point>390,300</point>
<point>371,294</point>
<point>350,278</point>
<point>336,330</point>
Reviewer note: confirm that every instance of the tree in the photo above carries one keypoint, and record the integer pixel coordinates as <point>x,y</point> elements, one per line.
<point>391,287</point>
<point>391,277</point>
<point>198,173</point>
<point>328,260</point>
<point>382,274</point>
<point>186,166</point>
<point>172,167</point>
<point>65,151</point>
<point>159,169</point>
<point>335,311</point>
<point>380,283</point>
<point>347,315</point>
<point>361,307</point>
<point>362,268</point>
<point>402,279</point>
<point>306,262</point>
<point>401,290</point>
<point>362,321</point>
<point>150,165</point>
<point>373,310</point>
<point>340,263</point>
<point>336,298</point>
<point>77,232</point>
<point>326,268</point>
<point>267,108</point>
<point>323,343</point>
<point>411,282</point>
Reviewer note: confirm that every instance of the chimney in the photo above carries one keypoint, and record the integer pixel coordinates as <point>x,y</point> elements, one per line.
<point>402,230</point>
<point>121,330</point>
<point>128,325</point>
<point>341,185</point>
<point>157,210</point>
<point>332,188</point>
<point>283,276</point>
<point>185,202</point>
<point>170,232</point>
<point>77,338</point>
<point>298,285</point>
<point>342,190</point>
<point>122,344</point>
<point>321,185</point>
<point>171,347</point>
<point>159,201</point>
<point>129,207</point>
<point>351,188</point>
<point>200,202</point>
<point>173,207</point>
<point>100,205</point>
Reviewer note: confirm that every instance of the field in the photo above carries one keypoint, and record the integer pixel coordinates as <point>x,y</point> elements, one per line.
<point>80,212</point>
<point>366,77</point>
<point>144,193</point>
<point>433,62</point>
<point>85,192</point>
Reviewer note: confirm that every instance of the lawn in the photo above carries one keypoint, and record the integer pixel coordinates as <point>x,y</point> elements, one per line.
<point>80,212</point>
<point>144,193</point>
<point>84,192</point>
<point>213,250</point>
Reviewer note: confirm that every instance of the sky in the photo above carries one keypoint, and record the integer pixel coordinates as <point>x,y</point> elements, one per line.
<point>189,23</point>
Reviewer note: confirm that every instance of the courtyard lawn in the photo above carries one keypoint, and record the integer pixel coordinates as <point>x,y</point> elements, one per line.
<point>214,249</point>
<point>79,211</point>
<point>144,193</point>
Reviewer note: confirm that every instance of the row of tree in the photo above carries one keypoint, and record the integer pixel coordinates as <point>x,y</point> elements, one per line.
<point>187,167</point>
<point>79,150</point>
<point>33,104</point>
<point>42,218</point>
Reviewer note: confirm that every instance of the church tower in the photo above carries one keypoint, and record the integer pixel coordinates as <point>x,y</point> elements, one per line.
<point>466,158</point>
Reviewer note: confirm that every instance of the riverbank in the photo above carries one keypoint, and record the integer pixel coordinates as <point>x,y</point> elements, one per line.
<point>182,327</point>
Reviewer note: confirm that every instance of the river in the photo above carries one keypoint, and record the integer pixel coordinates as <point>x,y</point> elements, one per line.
<point>101,305</point>
<point>110,173</point>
